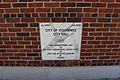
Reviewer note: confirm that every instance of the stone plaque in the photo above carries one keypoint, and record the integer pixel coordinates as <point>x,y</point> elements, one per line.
<point>60,41</point>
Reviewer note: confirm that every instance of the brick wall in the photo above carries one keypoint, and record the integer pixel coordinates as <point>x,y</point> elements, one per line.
<point>19,30</point>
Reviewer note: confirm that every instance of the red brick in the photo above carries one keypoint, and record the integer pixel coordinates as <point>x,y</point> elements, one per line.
<point>32,46</point>
<point>103,20</point>
<point>90,10</point>
<point>86,54</point>
<point>112,46</point>
<point>117,42</point>
<point>13,20</point>
<point>102,29</point>
<point>58,0</point>
<point>3,29</point>
<point>115,29</point>
<point>59,10</point>
<point>67,4</point>
<point>96,24</point>
<point>25,50</point>
<point>2,20</point>
<point>26,0</point>
<point>74,9</point>
<point>107,42</point>
<point>12,10</point>
<point>10,42</point>
<point>109,34</point>
<point>28,29</point>
<point>91,0</point>
<point>14,29</point>
<point>114,38</point>
<point>117,0</point>
<point>42,20</point>
<point>17,46</point>
<point>1,10</point>
<point>8,34</point>
<point>27,10</point>
<point>89,20</point>
<point>100,46</point>
<point>6,25</point>
<point>93,42</point>
<point>5,5</point>
<point>93,57</point>
<point>109,61</point>
<point>9,62</point>
<point>58,20</point>
<point>104,50</point>
<point>42,9</point>
<point>43,0</point>
<point>73,20</point>
<point>5,46</point>
<point>87,46</point>
<point>116,20</point>
<point>83,4</point>
<point>95,34</point>
<point>99,5</point>
<point>86,15</point>
<point>105,10</point>
<point>16,38</point>
<point>24,42</point>
<point>107,0</point>
<point>101,38</point>
<point>89,29</point>
<point>110,25</point>
<point>8,54</point>
<point>12,50</point>
<point>88,38</point>
<point>42,14</point>
<point>30,38</point>
<point>28,20</point>
<point>91,50</point>
<point>114,5</point>
<point>4,38</point>
<point>3,58</point>
<point>35,34</point>
<point>51,4</point>
<point>116,10</point>
<point>35,4</point>
<point>9,0</point>
<point>75,0</point>
<point>19,5</point>
<point>35,42</point>
<point>115,57</point>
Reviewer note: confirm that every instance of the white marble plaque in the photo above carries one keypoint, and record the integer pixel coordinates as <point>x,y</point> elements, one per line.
<point>60,41</point>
